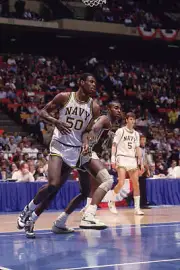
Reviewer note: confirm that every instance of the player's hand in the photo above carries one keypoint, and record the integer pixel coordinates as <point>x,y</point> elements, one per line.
<point>85,149</point>
<point>148,173</point>
<point>63,127</point>
<point>142,168</point>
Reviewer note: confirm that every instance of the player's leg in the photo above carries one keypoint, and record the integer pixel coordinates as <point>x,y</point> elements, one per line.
<point>105,182</point>
<point>93,186</point>
<point>44,195</point>
<point>134,176</point>
<point>121,171</point>
<point>59,225</point>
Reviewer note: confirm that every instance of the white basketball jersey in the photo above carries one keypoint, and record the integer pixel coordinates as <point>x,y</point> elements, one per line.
<point>77,115</point>
<point>126,141</point>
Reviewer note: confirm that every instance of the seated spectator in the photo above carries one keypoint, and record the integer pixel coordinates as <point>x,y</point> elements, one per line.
<point>4,139</point>
<point>173,117</point>
<point>31,165</point>
<point>40,175</point>
<point>23,174</point>
<point>12,145</point>
<point>14,168</point>
<point>160,169</point>
<point>7,152</point>
<point>171,170</point>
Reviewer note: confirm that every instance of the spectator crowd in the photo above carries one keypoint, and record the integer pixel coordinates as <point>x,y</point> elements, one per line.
<point>28,82</point>
<point>129,13</point>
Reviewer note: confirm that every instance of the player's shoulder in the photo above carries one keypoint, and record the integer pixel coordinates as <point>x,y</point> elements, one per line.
<point>119,130</point>
<point>63,98</point>
<point>95,108</point>
<point>95,104</point>
<point>105,119</point>
<point>136,133</point>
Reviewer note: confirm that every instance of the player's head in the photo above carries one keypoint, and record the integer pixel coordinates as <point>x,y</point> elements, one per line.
<point>87,83</point>
<point>130,120</point>
<point>114,109</point>
<point>142,141</point>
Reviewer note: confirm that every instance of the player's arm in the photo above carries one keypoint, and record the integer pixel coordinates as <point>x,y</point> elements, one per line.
<point>116,140</point>
<point>86,134</point>
<point>102,122</point>
<point>58,102</point>
<point>139,153</point>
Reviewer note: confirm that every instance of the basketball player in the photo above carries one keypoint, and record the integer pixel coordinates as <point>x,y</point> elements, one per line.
<point>77,112</point>
<point>126,156</point>
<point>104,136</point>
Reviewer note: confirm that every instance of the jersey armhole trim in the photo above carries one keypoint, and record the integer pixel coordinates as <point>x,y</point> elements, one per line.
<point>69,98</point>
<point>121,136</point>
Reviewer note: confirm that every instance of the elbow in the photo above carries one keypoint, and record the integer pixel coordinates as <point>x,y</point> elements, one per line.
<point>41,113</point>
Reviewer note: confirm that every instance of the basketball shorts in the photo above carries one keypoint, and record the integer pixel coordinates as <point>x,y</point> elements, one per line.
<point>69,154</point>
<point>86,158</point>
<point>128,163</point>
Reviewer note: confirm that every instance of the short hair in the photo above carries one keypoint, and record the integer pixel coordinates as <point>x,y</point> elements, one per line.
<point>84,76</point>
<point>142,136</point>
<point>130,114</point>
<point>112,103</point>
<point>21,165</point>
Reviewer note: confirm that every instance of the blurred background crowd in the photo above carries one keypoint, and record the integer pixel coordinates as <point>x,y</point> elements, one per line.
<point>155,14</point>
<point>143,75</point>
<point>27,83</point>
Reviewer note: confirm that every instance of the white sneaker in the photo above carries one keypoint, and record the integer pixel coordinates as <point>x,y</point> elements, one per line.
<point>112,207</point>
<point>84,209</point>
<point>138,212</point>
<point>90,222</point>
<point>62,229</point>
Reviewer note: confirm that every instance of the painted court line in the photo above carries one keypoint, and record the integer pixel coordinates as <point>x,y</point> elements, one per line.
<point>120,264</point>
<point>45,231</point>
<point>4,268</point>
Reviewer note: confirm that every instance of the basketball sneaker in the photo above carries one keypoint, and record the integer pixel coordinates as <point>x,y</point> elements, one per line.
<point>112,207</point>
<point>138,212</point>
<point>61,229</point>
<point>89,221</point>
<point>29,228</point>
<point>59,225</point>
<point>23,217</point>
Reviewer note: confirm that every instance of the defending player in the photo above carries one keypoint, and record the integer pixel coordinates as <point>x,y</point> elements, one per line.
<point>104,136</point>
<point>76,113</point>
<point>126,156</point>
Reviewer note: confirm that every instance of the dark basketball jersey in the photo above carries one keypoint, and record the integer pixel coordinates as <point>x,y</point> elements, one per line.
<point>103,142</point>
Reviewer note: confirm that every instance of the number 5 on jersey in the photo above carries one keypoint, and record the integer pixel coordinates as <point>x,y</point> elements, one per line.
<point>129,145</point>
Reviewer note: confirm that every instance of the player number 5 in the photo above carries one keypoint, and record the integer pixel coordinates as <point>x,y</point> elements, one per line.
<point>129,145</point>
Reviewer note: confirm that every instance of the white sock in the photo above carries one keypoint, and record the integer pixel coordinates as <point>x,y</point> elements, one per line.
<point>34,216</point>
<point>91,209</point>
<point>112,196</point>
<point>62,218</point>
<point>88,201</point>
<point>137,202</point>
<point>32,206</point>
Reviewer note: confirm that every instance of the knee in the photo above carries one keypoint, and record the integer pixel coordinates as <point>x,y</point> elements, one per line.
<point>120,182</point>
<point>105,179</point>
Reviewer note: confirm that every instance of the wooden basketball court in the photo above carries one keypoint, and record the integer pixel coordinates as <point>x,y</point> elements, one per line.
<point>125,216</point>
<point>129,243</point>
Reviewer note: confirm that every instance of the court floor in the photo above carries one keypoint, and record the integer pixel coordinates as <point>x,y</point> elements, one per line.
<point>151,242</point>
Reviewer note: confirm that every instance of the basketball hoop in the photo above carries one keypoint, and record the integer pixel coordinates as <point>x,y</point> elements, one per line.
<point>92,3</point>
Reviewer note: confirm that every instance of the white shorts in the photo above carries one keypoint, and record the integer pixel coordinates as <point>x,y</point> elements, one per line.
<point>128,163</point>
<point>69,154</point>
<point>87,158</point>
